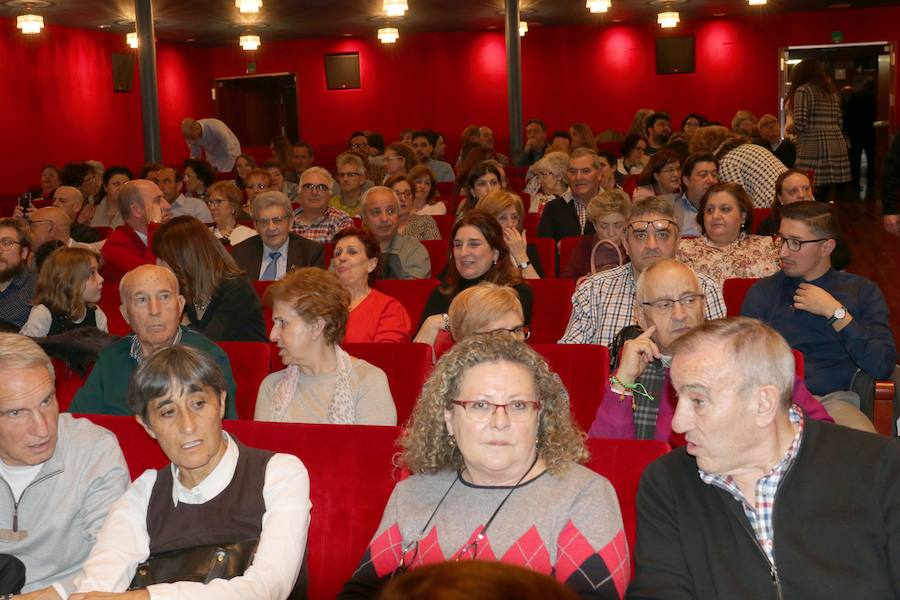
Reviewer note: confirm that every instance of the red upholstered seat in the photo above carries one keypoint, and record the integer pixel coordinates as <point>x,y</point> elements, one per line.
<point>760,215</point>
<point>733,291</point>
<point>438,252</point>
<point>111,304</point>
<point>567,246</point>
<point>546,249</point>
<point>412,293</point>
<point>583,369</point>
<point>406,366</point>
<point>551,309</point>
<point>445,189</point>
<point>532,220</point>
<point>629,184</point>
<point>350,472</point>
<point>104,232</point>
<point>250,362</point>
<point>445,224</point>
<point>67,383</point>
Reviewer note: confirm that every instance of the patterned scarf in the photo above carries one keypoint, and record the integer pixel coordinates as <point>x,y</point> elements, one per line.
<point>340,411</point>
<point>646,407</point>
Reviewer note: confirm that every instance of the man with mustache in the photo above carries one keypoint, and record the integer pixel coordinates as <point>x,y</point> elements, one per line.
<point>604,303</point>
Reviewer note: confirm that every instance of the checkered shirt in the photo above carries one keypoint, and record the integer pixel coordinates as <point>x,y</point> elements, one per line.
<point>754,168</point>
<point>760,516</point>
<point>323,230</point>
<point>604,303</point>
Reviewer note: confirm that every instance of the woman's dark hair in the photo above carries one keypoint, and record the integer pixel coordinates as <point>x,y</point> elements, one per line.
<point>701,120</point>
<point>107,175</point>
<point>252,162</point>
<point>502,272</point>
<point>203,169</point>
<point>73,174</point>
<point>409,157</point>
<point>172,370</point>
<point>630,143</point>
<point>809,71</point>
<point>423,171</point>
<point>283,149</point>
<point>656,164</point>
<point>744,202</point>
<point>479,170</point>
<point>372,248</point>
<point>376,140</point>
<point>471,159</point>
<point>44,251</point>
<point>200,262</point>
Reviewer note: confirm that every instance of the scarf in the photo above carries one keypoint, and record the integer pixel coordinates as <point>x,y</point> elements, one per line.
<point>646,407</point>
<point>341,410</point>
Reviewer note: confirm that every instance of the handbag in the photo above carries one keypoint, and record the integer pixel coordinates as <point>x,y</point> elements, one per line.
<point>201,564</point>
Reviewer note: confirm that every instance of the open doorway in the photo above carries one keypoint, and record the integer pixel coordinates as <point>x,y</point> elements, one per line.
<point>865,77</point>
<point>258,107</point>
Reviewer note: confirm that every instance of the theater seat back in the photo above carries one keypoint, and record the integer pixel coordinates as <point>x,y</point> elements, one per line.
<point>438,253</point>
<point>551,309</point>
<point>583,369</point>
<point>250,362</point>
<point>733,292</point>
<point>412,294</point>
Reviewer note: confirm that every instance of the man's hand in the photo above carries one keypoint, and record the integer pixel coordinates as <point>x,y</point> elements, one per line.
<point>815,300</point>
<point>22,215</point>
<point>636,355</point>
<point>892,224</point>
<point>47,593</point>
<point>135,595</point>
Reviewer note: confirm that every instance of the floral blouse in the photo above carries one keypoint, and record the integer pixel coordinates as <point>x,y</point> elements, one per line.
<point>748,257</point>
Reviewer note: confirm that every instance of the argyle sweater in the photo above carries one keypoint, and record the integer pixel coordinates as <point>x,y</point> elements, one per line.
<point>567,526</point>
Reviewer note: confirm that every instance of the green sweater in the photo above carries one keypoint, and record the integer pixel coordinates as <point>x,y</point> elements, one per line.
<point>106,389</point>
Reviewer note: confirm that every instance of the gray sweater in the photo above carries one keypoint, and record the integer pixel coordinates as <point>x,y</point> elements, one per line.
<point>61,511</point>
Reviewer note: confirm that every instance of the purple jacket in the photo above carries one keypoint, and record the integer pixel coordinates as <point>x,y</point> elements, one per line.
<point>615,418</point>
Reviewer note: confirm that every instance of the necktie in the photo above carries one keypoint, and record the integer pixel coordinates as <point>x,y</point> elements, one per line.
<point>271,271</point>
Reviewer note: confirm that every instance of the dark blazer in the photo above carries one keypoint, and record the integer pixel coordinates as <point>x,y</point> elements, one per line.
<point>234,314</point>
<point>560,219</point>
<point>301,253</point>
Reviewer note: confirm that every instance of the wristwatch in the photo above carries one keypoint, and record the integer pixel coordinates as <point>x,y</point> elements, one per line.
<point>839,313</point>
<point>524,265</point>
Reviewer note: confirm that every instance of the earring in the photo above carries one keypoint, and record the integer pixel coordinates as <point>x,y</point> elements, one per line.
<point>451,441</point>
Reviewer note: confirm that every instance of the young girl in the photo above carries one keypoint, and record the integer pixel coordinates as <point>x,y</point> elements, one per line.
<point>66,296</point>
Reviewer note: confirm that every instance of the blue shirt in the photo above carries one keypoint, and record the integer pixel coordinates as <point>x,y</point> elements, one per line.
<point>688,213</point>
<point>15,300</point>
<point>831,357</point>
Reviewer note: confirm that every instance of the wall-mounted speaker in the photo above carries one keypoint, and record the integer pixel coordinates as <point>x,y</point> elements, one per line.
<point>675,55</point>
<point>342,71</point>
<point>122,71</point>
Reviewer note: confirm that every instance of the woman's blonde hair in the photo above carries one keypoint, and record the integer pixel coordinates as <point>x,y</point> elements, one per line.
<point>427,446</point>
<point>314,293</point>
<point>608,202</point>
<point>477,307</point>
<point>60,284</point>
<point>497,201</point>
<point>586,134</point>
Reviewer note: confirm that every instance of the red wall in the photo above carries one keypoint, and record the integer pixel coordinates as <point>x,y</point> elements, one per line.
<point>59,103</point>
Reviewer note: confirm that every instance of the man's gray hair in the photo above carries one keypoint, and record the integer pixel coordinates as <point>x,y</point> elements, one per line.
<point>128,197</point>
<point>269,199</point>
<point>21,352</point>
<point>379,188</point>
<point>649,205</point>
<point>317,171</point>
<point>347,158</point>
<point>582,152</point>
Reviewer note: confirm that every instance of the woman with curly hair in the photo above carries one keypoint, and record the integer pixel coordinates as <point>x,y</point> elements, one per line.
<point>494,454</point>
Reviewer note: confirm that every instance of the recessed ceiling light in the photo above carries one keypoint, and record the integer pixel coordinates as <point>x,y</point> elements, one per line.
<point>718,14</point>
<point>191,40</point>
<point>102,26</point>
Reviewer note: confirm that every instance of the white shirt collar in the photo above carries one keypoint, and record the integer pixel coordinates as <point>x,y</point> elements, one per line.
<point>214,483</point>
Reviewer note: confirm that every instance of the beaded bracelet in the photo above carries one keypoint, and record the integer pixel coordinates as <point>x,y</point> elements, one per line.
<point>632,387</point>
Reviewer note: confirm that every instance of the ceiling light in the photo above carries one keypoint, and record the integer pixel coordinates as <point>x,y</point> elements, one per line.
<point>599,6</point>
<point>248,6</point>
<point>249,42</point>
<point>388,35</point>
<point>793,61</point>
<point>30,24</point>
<point>523,28</point>
<point>132,40</point>
<point>667,19</point>
<point>395,8</point>
<point>756,2</point>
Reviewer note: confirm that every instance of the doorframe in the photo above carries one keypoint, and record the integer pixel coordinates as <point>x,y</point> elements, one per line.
<point>216,80</point>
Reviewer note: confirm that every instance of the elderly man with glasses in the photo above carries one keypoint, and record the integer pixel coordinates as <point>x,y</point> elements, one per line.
<point>316,219</point>
<point>352,182</point>
<point>604,303</point>
<point>838,320</point>
<point>275,251</point>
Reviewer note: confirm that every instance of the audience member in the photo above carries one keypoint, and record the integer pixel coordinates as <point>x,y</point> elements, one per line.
<point>423,147</point>
<point>406,137</point>
<point>71,200</point>
<point>568,217</point>
<point>425,199</point>
<point>321,383</point>
<point>275,251</point>
<point>220,301</point>
<point>754,495</point>
<point>482,179</point>
<point>315,219</point>
<point>638,402</point>
<point>691,123</point>
<point>225,200</point>
<point>770,137</point>
<point>486,308</point>
<point>17,282</point>
<point>657,130</point>
<point>213,138</point>
<point>302,157</point>
<point>420,227</point>
<point>83,177</point>
<point>143,206</point>
<point>486,139</point>
<point>479,253</point>
<point>548,180</point>
<point>61,474</point>
<point>634,157</point>
<point>278,182</point>
<point>68,288</point>
<point>359,144</point>
<point>560,141</point>
<point>725,248</point>
<point>52,223</point>
<point>256,182</point>
<point>582,137</point>
<point>106,212</point>
<point>198,176</point>
<point>374,317</point>
<point>440,146</point>
<point>602,250</point>
<point>838,320</point>
<point>744,123</point>
<point>282,150</point>
<point>50,180</point>
<point>535,143</point>
<point>699,172</point>
<point>639,121</point>
<point>604,303</point>
<point>509,211</point>
<point>510,476</point>
<point>190,508</point>
<point>399,159</point>
<point>661,177</point>
<point>351,183</point>
<point>404,257</point>
<point>243,165</point>
<point>180,204</point>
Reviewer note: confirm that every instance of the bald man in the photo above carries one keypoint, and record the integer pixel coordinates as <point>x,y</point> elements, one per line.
<point>213,137</point>
<point>404,257</point>
<point>71,200</point>
<point>152,306</point>
<point>52,223</point>
<point>143,206</point>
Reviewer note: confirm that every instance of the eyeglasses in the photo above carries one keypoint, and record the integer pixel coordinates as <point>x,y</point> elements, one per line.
<point>481,411</point>
<point>314,187</point>
<point>404,194</point>
<point>667,304</point>
<point>792,244</point>
<point>348,174</point>
<point>216,202</point>
<point>258,186</point>
<point>523,332</point>
<point>8,243</point>
<point>273,220</point>
<point>359,145</point>
<point>670,170</point>
<point>658,225</point>
<point>393,158</point>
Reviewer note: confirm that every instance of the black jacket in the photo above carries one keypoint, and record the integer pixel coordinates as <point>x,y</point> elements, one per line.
<point>301,253</point>
<point>836,523</point>
<point>560,219</point>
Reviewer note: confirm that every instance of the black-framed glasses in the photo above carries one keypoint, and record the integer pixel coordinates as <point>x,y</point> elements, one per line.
<point>523,332</point>
<point>359,145</point>
<point>403,194</point>
<point>793,244</point>
<point>658,225</point>
<point>481,411</point>
<point>314,187</point>
<point>273,220</point>
<point>666,304</point>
